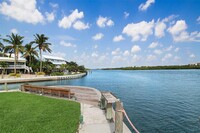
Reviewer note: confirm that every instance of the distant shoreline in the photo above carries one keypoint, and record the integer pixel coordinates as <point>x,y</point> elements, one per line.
<point>156,67</point>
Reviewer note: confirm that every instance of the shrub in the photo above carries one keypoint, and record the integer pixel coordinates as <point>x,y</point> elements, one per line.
<point>57,73</point>
<point>12,74</point>
<point>40,73</point>
<point>18,75</point>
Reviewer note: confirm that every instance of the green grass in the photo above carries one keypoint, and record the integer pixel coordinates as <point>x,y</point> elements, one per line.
<point>29,113</point>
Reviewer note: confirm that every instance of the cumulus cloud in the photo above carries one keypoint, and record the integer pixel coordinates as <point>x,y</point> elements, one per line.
<point>126,53</point>
<point>116,51</point>
<point>79,25</point>
<point>54,5</point>
<point>126,14</point>
<point>104,21</point>
<point>153,45</point>
<point>135,49</point>
<point>151,57</point>
<point>146,5</point>
<point>198,20</point>
<point>176,50</point>
<point>192,56</point>
<point>157,51</point>
<point>179,33</point>
<point>22,11</point>
<point>98,36</point>
<point>67,44</point>
<point>139,31</point>
<point>14,31</point>
<point>136,58</point>
<point>167,56</point>
<point>50,16</point>
<point>94,54</point>
<point>169,48</point>
<point>159,29</point>
<point>73,19</point>
<point>118,38</point>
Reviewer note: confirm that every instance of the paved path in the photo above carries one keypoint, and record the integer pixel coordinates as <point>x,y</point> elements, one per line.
<point>94,121</point>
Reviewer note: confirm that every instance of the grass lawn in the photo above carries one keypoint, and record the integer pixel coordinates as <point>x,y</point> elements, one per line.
<point>29,113</point>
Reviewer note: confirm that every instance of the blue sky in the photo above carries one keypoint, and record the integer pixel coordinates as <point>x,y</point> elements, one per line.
<point>114,33</point>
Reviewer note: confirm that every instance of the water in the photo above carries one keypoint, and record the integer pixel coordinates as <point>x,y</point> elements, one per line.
<point>163,101</point>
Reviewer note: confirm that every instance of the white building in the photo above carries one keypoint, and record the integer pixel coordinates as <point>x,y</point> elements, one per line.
<point>58,61</point>
<point>20,65</point>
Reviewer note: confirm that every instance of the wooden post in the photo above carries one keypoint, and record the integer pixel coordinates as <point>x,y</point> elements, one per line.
<point>118,118</point>
<point>109,111</point>
<point>6,87</point>
<point>22,87</point>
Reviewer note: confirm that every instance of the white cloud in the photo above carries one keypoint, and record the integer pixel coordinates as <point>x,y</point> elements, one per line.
<point>67,21</point>
<point>98,36</point>
<point>151,57</point>
<point>80,25</point>
<point>117,59</point>
<point>67,44</point>
<point>160,29</point>
<point>169,48</point>
<point>50,16</point>
<point>116,51</point>
<point>167,56</point>
<point>58,54</point>
<point>176,58</point>
<point>136,58</point>
<point>157,51</point>
<point>126,53</point>
<point>198,20</point>
<point>192,56</point>
<point>104,21</point>
<point>139,31</point>
<point>176,50</point>
<point>14,31</point>
<point>95,46</point>
<point>179,33</point>
<point>145,6</point>
<point>22,11</point>
<point>126,14</point>
<point>135,49</point>
<point>153,45</point>
<point>94,54</point>
<point>118,38</point>
<point>54,5</point>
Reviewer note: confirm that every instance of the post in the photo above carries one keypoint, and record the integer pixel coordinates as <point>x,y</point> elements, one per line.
<point>118,118</point>
<point>22,88</point>
<point>5,87</point>
<point>109,115</point>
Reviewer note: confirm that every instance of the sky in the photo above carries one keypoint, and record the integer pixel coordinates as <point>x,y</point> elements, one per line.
<point>109,33</point>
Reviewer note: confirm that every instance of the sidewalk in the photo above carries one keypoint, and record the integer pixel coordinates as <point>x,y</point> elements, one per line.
<point>94,121</point>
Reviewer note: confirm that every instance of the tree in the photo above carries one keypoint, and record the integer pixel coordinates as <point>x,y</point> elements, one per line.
<point>15,46</point>
<point>29,52</point>
<point>3,66</point>
<point>43,45</point>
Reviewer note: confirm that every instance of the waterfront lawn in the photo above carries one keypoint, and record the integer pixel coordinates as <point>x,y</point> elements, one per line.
<point>28,113</point>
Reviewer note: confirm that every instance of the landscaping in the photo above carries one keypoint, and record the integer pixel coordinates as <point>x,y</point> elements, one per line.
<point>22,113</point>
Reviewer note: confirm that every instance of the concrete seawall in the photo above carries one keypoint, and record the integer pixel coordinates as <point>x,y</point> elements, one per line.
<point>38,78</point>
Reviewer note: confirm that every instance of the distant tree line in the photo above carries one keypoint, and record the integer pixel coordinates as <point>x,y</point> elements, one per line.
<point>156,67</point>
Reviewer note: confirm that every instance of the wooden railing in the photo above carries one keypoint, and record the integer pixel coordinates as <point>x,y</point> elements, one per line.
<point>44,90</point>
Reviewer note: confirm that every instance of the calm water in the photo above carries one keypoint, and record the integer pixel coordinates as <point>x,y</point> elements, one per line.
<point>166,101</point>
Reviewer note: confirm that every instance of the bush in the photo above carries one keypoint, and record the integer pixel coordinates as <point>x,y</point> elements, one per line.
<point>18,75</point>
<point>57,73</point>
<point>12,74</point>
<point>40,73</point>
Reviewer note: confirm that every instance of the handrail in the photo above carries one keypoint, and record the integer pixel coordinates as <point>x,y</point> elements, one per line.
<point>134,128</point>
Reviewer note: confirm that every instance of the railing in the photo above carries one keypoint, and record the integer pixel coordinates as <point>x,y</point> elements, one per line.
<point>16,66</point>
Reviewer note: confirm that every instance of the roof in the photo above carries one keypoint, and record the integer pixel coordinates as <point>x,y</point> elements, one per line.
<point>7,59</point>
<point>53,57</point>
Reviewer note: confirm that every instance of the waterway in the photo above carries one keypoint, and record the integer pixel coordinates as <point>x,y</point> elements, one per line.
<point>157,101</point>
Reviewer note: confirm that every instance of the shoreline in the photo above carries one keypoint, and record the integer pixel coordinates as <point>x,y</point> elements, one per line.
<point>38,78</point>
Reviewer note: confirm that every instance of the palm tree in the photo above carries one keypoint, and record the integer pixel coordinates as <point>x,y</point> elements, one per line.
<point>3,66</point>
<point>15,46</point>
<point>43,45</point>
<point>29,52</point>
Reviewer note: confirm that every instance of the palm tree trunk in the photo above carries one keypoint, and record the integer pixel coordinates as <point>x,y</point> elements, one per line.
<point>29,60</point>
<point>15,64</point>
<point>2,73</point>
<point>40,60</point>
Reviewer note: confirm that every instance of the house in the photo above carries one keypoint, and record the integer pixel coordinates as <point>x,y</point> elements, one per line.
<point>20,65</point>
<point>58,61</point>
